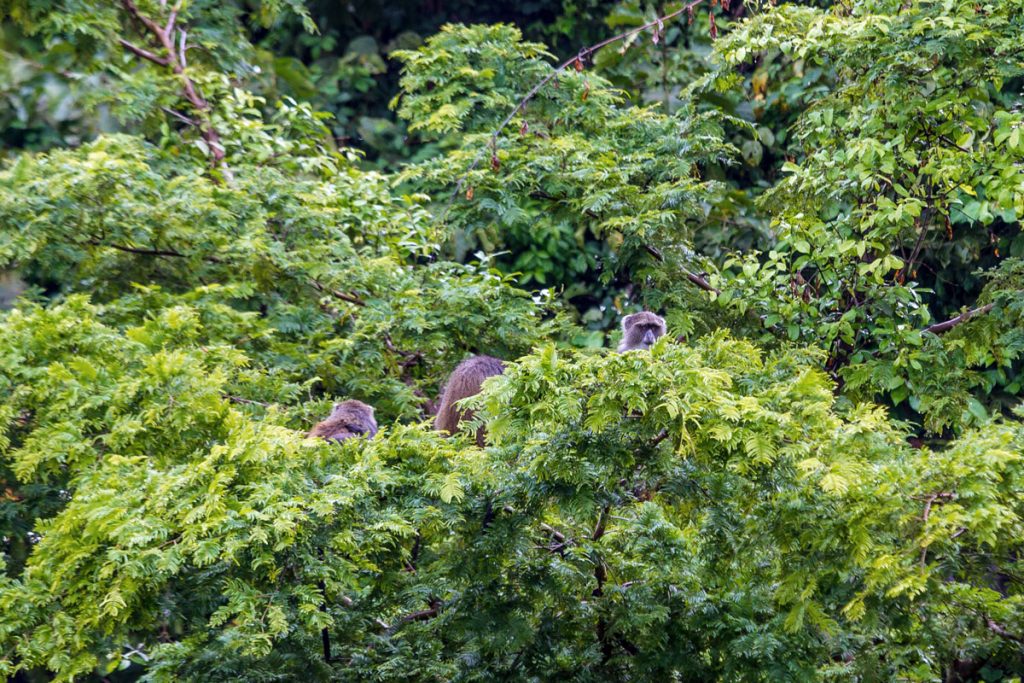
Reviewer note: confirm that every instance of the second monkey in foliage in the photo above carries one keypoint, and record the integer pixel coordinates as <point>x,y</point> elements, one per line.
<point>465,381</point>
<point>348,419</point>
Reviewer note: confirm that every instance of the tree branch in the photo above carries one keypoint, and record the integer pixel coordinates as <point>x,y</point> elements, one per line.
<point>172,18</point>
<point>1001,631</point>
<point>701,282</point>
<point>145,54</point>
<point>555,533</point>
<point>350,298</point>
<point>181,117</point>
<point>692,277</point>
<point>599,528</point>
<point>946,325</point>
<point>245,401</point>
<point>136,250</point>
<point>165,37</point>
<point>420,615</point>
<point>146,21</point>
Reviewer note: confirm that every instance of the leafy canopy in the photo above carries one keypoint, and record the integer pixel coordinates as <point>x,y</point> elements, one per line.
<point>206,282</point>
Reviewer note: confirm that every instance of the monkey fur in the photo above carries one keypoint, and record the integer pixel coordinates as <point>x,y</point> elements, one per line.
<point>348,419</point>
<point>465,381</point>
<point>640,331</point>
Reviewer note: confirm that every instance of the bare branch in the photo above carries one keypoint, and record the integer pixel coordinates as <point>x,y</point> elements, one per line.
<point>946,325</point>
<point>173,17</point>
<point>420,615</point>
<point>182,50</point>
<point>662,435</point>
<point>145,54</point>
<point>701,282</point>
<point>602,520</point>
<point>555,534</point>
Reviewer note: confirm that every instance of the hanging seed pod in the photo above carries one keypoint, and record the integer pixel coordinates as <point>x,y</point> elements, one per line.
<point>714,28</point>
<point>578,64</point>
<point>469,193</point>
<point>525,128</point>
<point>495,164</point>
<point>586,91</point>
<point>689,14</point>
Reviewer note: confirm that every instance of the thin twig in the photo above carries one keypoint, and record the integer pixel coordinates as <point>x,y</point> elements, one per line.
<point>181,117</point>
<point>350,298</point>
<point>136,250</point>
<point>246,401</point>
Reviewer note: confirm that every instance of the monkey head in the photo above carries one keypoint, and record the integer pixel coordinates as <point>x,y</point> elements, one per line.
<point>348,419</point>
<point>641,330</point>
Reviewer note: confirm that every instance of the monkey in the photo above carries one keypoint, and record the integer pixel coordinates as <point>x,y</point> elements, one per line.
<point>640,330</point>
<point>465,381</point>
<point>348,419</point>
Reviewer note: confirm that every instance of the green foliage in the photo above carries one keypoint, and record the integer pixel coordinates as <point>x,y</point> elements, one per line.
<point>207,536</point>
<point>909,188</point>
<point>803,198</point>
<point>586,190</point>
<point>306,255</point>
<point>188,515</point>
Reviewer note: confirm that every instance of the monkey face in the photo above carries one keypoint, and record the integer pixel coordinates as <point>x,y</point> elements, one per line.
<point>648,338</point>
<point>641,330</point>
